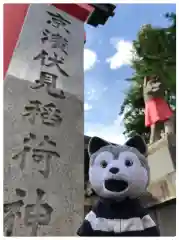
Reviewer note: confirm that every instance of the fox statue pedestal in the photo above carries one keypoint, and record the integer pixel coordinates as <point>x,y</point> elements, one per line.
<point>161,198</point>
<point>162,157</point>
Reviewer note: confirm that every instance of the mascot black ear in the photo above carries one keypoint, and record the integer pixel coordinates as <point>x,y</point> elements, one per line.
<point>137,142</point>
<point>95,144</point>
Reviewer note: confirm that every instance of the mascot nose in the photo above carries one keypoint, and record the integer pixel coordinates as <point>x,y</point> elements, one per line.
<point>114,170</point>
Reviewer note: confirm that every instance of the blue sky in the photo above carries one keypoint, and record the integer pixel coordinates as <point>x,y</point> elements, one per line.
<point>107,58</point>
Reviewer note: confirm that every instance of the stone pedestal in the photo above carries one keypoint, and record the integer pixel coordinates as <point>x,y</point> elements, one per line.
<point>162,157</point>
<point>43,127</point>
<point>161,197</point>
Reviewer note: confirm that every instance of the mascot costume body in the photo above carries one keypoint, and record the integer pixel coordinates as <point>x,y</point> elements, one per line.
<point>119,175</point>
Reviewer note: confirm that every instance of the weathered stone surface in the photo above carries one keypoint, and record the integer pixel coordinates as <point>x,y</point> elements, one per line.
<point>159,159</point>
<point>43,137</point>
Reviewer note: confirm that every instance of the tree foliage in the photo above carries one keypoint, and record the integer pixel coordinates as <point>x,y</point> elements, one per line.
<point>154,53</point>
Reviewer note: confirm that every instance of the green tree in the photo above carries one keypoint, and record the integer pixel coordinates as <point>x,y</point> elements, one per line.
<point>154,53</point>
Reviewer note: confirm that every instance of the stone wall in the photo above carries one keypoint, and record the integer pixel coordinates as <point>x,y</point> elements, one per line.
<point>165,217</point>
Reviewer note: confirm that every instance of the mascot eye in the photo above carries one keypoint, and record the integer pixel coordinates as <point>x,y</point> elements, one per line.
<point>128,163</point>
<point>103,164</point>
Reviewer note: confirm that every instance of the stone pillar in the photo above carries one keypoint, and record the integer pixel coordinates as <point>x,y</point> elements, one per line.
<point>43,127</point>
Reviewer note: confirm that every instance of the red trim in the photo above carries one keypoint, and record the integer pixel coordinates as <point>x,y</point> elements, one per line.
<point>79,11</point>
<point>14,15</point>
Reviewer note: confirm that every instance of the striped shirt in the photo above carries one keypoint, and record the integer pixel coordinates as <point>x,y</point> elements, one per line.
<point>126,218</point>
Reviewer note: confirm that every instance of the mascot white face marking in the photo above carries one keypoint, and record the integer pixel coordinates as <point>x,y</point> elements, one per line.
<point>118,171</point>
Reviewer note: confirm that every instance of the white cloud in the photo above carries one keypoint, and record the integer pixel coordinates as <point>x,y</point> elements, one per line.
<point>87,107</point>
<point>123,55</point>
<point>96,94</point>
<point>105,89</point>
<point>112,133</point>
<point>91,94</point>
<point>90,58</point>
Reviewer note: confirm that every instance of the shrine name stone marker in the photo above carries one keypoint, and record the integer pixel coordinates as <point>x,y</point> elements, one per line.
<point>43,127</point>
